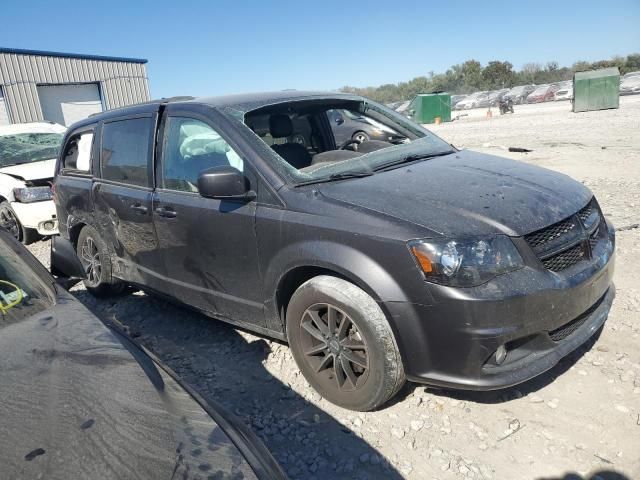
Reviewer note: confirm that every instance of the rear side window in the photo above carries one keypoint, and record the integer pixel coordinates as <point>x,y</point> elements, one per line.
<point>77,152</point>
<point>125,151</point>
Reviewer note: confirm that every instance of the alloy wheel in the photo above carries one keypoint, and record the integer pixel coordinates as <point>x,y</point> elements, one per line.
<point>334,348</point>
<point>90,258</point>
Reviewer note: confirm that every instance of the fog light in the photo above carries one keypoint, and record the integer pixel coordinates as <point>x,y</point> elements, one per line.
<point>49,225</point>
<point>501,354</point>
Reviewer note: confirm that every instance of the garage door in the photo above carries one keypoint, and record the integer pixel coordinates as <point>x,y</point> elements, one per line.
<point>4,114</point>
<point>66,104</point>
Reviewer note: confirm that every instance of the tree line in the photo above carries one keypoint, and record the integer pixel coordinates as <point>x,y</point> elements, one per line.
<point>471,76</point>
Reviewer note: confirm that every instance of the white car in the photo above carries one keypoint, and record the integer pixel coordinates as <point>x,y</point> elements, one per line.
<point>471,101</point>
<point>565,92</point>
<point>28,154</point>
<point>630,84</point>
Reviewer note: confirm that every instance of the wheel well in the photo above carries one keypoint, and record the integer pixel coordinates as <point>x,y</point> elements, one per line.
<point>74,233</point>
<point>296,277</point>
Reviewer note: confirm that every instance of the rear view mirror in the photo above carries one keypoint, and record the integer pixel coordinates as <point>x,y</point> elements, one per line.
<point>224,182</point>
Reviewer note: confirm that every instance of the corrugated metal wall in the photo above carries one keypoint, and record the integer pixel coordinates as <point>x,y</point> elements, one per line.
<point>121,83</point>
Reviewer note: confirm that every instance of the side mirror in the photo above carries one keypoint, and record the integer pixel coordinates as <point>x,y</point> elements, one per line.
<point>224,182</point>
<point>339,120</point>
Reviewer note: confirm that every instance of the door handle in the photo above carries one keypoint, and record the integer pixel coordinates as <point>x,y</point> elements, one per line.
<point>139,208</point>
<point>166,212</point>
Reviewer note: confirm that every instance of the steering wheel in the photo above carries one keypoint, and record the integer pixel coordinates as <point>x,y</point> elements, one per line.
<point>351,141</point>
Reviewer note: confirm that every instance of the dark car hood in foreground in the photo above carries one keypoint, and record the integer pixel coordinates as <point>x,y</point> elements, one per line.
<point>78,401</point>
<point>467,193</point>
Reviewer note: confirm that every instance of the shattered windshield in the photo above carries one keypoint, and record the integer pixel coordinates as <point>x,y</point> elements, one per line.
<point>22,292</point>
<point>28,147</point>
<point>327,139</point>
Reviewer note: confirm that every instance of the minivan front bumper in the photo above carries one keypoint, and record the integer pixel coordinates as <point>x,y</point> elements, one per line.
<point>537,316</point>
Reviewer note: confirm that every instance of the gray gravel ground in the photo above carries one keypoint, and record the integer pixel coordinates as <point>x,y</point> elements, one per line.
<point>582,417</point>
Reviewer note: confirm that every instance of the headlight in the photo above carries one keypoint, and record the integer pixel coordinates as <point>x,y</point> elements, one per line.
<point>465,262</point>
<point>32,194</point>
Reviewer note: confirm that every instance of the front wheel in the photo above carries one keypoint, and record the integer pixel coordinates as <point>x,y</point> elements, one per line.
<point>343,344</point>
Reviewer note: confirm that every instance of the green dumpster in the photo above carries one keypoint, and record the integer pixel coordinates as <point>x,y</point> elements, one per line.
<point>596,90</point>
<point>425,108</point>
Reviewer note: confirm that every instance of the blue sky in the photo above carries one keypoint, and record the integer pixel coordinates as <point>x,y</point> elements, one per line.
<point>220,47</point>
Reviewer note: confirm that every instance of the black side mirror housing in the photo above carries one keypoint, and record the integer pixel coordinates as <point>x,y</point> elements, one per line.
<point>339,120</point>
<point>224,182</point>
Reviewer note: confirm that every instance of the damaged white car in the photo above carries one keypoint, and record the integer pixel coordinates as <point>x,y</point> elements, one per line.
<point>27,162</point>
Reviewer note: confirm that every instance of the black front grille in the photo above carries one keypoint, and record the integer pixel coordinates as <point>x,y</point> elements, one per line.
<point>586,212</point>
<point>566,259</point>
<point>567,329</point>
<point>564,331</point>
<point>564,244</point>
<point>594,238</point>
<point>546,235</point>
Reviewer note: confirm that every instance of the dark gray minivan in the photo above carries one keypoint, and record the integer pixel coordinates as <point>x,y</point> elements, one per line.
<point>376,261</point>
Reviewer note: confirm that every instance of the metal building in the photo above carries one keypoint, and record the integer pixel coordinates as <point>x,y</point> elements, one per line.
<point>596,89</point>
<point>66,87</point>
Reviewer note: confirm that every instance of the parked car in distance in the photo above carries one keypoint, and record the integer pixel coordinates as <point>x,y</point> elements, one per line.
<point>491,99</point>
<point>403,107</point>
<point>519,94</point>
<point>373,264</point>
<point>347,125</point>
<point>543,93</point>
<point>28,154</point>
<point>455,99</point>
<point>81,401</point>
<point>630,85</point>
<point>564,92</point>
<point>471,101</point>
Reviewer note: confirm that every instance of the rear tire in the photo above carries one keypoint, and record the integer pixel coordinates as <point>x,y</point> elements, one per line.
<point>9,221</point>
<point>95,257</point>
<point>343,344</point>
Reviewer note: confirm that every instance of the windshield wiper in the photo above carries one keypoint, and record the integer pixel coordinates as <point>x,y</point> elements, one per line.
<point>412,158</point>
<point>339,176</point>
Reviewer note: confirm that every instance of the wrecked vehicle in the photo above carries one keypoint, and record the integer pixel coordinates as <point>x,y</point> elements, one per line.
<point>28,155</point>
<point>543,93</point>
<point>78,400</point>
<point>378,264</point>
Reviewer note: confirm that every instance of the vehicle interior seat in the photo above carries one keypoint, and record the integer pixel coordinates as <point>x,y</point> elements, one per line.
<point>373,145</point>
<point>327,158</point>
<point>280,126</point>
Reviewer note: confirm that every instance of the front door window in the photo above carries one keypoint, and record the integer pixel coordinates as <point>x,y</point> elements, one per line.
<point>190,147</point>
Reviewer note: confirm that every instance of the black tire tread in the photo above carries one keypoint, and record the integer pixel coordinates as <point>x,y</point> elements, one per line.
<point>394,376</point>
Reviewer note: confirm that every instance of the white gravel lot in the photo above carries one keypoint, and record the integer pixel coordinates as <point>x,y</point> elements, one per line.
<point>582,417</point>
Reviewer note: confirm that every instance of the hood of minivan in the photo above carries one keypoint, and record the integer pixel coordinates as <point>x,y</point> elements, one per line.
<point>466,193</point>
<point>31,171</point>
